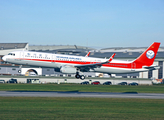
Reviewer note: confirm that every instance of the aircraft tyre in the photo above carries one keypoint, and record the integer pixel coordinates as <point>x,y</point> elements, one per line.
<point>19,71</point>
<point>77,76</point>
<point>82,77</point>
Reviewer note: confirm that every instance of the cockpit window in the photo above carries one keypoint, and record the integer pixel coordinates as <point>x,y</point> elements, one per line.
<point>11,54</point>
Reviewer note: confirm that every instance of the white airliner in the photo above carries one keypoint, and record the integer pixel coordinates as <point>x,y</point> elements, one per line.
<point>79,64</point>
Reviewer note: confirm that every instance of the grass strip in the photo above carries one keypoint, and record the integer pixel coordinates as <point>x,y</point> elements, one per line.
<point>36,108</point>
<point>82,88</point>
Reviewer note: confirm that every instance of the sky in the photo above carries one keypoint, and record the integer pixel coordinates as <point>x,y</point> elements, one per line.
<point>91,23</point>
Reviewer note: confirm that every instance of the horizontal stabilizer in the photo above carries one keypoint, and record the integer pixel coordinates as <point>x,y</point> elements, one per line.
<point>153,67</point>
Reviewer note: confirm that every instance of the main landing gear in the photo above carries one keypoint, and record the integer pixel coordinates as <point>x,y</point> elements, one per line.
<point>82,77</point>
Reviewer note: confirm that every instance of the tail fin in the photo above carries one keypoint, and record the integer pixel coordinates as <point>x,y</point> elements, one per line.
<point>147,58</point>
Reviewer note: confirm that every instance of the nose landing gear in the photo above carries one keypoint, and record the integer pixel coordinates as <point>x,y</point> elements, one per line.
<point>20,67</point>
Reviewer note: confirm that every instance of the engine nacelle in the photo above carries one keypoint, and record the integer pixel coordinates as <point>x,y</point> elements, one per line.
<point>68,70</point>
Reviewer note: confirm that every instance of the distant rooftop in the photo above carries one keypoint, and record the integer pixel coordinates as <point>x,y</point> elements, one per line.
<point>4,46</point>
<point>128,49</point>
<point>121,52</point>
<point>57,47</point>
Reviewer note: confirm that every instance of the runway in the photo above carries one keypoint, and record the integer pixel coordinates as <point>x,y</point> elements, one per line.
<point>80,94</point>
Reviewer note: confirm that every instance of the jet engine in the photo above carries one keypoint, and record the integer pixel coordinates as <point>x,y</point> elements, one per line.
<point>68,69</point>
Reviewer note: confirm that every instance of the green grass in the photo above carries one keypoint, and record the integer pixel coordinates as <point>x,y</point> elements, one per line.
<point>49,108</point>
<point>82,88</point>
<point>38,108</point>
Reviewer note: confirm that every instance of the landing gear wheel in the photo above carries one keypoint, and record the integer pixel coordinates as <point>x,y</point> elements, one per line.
<point>82,77</point>
<point>19,71</point>
<point>77,76</point>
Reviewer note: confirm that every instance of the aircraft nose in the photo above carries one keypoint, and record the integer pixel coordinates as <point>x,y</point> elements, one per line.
<point>4,58</point>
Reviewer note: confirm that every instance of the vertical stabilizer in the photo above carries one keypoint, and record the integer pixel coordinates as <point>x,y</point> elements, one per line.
<point>147,58</point>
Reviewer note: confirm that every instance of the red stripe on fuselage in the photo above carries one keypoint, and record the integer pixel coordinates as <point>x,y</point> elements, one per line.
<point>117,65</point>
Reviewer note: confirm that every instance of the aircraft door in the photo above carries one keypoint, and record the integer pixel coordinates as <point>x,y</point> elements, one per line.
<point>53,57</point>
<point>133,66</point>
<point>21,55</point>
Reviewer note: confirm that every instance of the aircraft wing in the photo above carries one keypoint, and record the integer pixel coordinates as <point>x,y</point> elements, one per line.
<point>87,67</point>
<point>87,55</point>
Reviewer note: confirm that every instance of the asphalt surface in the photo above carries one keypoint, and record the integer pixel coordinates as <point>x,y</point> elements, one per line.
<point>80,94</point>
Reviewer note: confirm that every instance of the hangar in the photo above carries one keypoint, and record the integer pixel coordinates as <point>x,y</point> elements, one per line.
<point>128,53</point>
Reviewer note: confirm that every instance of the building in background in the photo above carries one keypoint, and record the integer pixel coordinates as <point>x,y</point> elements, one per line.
<point>130,53</point>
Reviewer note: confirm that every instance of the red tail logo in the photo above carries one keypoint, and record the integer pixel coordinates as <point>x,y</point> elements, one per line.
<point>147,58</point>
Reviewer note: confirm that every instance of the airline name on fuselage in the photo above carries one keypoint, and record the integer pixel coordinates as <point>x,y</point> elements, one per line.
<point>72,58</point>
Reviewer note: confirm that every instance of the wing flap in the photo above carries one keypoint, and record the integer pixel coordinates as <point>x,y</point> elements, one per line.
<point>87,67</point>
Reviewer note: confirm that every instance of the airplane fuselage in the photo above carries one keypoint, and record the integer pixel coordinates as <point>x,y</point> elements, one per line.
<point>58,60</point>
<point>76,64</point>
